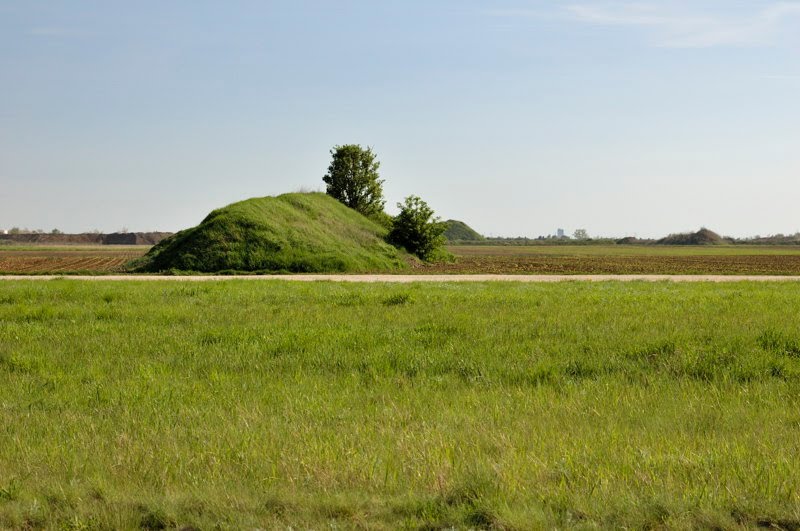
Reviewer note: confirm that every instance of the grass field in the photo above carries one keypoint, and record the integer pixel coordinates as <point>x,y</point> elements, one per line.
<point>556,259</point>
<point>245,405</point>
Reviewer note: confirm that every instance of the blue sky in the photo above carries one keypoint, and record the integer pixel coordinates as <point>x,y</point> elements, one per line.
<point>517,117</point>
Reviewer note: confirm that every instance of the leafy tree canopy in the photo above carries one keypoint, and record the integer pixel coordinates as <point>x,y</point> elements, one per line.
<point>353,179</point>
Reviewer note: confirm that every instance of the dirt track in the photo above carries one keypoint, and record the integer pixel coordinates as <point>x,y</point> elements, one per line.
<point>423,278</point>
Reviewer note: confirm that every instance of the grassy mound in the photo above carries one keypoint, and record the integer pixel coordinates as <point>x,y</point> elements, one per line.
<point>701,237</point>
<point>460,231</point>
<point>291,232</point>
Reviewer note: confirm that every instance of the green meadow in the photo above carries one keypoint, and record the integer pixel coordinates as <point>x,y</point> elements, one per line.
<point>270,404</point>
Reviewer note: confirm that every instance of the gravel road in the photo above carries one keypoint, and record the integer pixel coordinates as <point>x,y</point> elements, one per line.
<point>420,278</point>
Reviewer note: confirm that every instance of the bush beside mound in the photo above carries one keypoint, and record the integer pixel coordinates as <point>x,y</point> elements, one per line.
<point>299,232</point>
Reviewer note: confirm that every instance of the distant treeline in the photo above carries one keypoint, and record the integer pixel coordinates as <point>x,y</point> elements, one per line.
<point>521,240</point>
<point>88,238</point>
<point>701,237</point>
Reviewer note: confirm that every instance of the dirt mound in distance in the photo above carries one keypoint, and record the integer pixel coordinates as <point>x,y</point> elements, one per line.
<point>701,237</point>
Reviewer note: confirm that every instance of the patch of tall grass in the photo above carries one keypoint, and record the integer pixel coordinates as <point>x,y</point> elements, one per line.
<point>238,404</point>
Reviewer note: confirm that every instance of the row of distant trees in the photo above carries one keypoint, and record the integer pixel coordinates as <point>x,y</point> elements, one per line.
<point>18,230</point>
<point>354,180</point>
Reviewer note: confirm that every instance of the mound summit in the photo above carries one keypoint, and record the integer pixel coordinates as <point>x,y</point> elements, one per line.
<point>460,231</point>
<point>299,232</point>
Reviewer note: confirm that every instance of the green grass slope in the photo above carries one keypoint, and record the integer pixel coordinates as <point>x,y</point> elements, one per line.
<point>291,232</point>
<point>460,231</point>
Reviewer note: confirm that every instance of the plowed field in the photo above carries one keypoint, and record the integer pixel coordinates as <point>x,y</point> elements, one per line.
<point>557,260</point>
<point>620,260</point>
<point>61,260</point>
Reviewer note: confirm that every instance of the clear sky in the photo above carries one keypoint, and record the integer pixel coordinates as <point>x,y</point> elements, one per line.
<point>518,117</point>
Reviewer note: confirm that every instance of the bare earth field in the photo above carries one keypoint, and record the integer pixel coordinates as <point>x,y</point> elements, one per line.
<point>65,259</point>
<point>471,260</point>
<point>620,260</point>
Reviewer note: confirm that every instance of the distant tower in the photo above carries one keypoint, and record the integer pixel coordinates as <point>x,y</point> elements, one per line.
<point>560,233</point>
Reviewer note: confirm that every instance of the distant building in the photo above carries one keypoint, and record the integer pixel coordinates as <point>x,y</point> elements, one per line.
<point>559,233</point>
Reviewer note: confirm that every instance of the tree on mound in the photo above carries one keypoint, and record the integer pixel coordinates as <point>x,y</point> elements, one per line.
<point>353,179</point>
<point>291,232</point>
<point>459,231</point>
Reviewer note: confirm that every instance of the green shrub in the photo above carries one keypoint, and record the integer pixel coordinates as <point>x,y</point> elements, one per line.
<point>416,230</point>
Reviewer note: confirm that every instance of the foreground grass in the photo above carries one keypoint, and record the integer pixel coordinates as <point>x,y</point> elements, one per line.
<point>238,404</point>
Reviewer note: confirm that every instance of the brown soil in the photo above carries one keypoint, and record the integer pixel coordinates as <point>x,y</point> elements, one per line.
<point>97,260</point>
<point>104,259</point>
<point>619,265</point>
